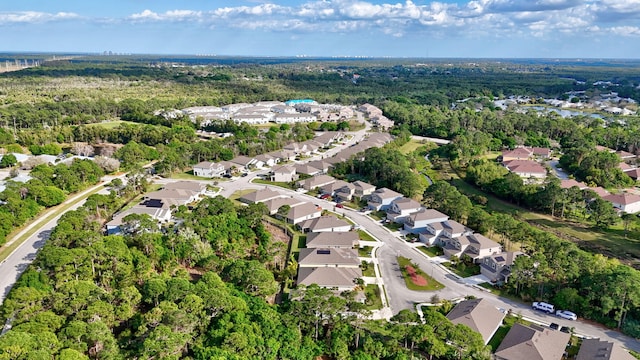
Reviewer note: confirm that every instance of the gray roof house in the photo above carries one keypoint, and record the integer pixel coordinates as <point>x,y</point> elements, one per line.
<point>325,224</point>
<point>382,198</point>
<point>284,173</point>
<point>208,169</point>
<point>497,267</point>
<point>316,182</point>
<point>476,246</point>
<point>346,192</point>
<point>194,186</point>
<point>263,160</point>
<point>401,208</point>
<point>333,188</point>
<point>479,315</point>
<point>436,232</point>
<point>273,205</point>
<point>302,212</point>
<point>532,342</point>
<point>335,257</point>
<point>307,169</point>
<point>596,349</point>
<point>345,240</point>
<point>261,195</point>
<point>417,222</point>
<point>339,278</point>
<point>244,162</point>
<point>363,189</point>
<point>321,165</point>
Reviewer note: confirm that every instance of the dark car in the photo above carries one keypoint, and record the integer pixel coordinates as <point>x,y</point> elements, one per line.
<point>566,329</point>
<point>244,174</point>
<point>554,326</point>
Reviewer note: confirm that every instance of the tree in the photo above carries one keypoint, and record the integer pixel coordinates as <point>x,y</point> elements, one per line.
<point>8,160</point>
<point>602,212</point>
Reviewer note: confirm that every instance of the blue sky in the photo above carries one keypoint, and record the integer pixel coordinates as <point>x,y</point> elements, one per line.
<point>416,28</point>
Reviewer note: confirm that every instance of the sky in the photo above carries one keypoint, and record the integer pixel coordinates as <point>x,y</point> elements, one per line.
<point>373,28</point>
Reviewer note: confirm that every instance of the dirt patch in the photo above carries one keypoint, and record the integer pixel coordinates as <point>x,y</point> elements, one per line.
<point>416,279</point>
<point>277,233</point>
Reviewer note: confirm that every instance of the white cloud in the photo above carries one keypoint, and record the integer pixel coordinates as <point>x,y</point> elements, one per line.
<point>34,17</point>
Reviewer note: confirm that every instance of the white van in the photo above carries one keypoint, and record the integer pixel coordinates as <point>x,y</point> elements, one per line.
<point>543,306</point>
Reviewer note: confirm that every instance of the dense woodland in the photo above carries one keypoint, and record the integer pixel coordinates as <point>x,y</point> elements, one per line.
<point>185,292</point>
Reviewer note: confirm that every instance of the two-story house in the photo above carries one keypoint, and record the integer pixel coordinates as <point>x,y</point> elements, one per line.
<point>401,208</point>
<point>284,173</point>
<point>497,267</point>
<point>208,169</point>
<point>476,246</point>
<point>382,198</point>
<point>447,229</point>
<point>417,222</point>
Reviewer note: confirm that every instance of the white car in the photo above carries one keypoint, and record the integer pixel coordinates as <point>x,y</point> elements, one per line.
<point>566,314</point>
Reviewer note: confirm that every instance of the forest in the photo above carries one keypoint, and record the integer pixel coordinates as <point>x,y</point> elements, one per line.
<point>184,292</point>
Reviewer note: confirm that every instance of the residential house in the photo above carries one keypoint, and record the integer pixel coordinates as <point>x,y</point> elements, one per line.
<point>347,240</point>
<point>345,193</point>
<point>273,205</point>
<point>283,173</point>
<point>624,166</point>
<point>208,169</point>
<point>532,342</point>
<point>294,118</point>
<point>625,155</point>
<point>417,222</point>
<point>569,183</point>
<point>497,267</point>
<point>250,119</point>
<point>328,137</point>
<point>193,186</point>
<point>626,202</point>
<point>526,168</point>
<point>370,110</point>
<point>283,155</point>
<point>321,165</point>
<point>401,208</point>
<point>259,196</point>
<point>265,160</point>
<point>332,189</point>
<point>313,146</point>
<point>363,189</point>
<point>382,198</point>
<point>449,229</point>
<point>516,154</point>
<point>541,153</point>
<point>160,214</point>
<point>338,278</point>
<point>476,246</point>
<point>479,315</point>
<point>307,169</point>
<point>596,349</point>
<point>244,163</point>
<point>326,257</point>
<point>303,212</point>
<point>600,191</point>
<point>298,148</point>
<point>283,109</point>
<point>325,224</point>
<point>170,197</point>
<point>315,182</point>
<point>633,173</point>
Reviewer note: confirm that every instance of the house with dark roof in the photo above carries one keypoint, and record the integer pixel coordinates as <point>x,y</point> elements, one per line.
<point>382,198</point>
<point>417,222</point>
<point>596,349</point>
<point>325,224</point>
<point>401,208</point>
<point>347,240</point>
<point>532,342</point>
<point>497,267</point>
<point>479,315</point>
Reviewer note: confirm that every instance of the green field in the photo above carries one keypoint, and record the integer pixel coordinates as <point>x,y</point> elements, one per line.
<point>113,124</point>
<point>410,147</point>
<point>431,251</point>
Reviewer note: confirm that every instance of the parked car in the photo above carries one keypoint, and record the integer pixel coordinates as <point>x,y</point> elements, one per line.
<point>554,326</point>
<point>339,206</point>
<point>565,329</point>
<point>566,314</point>
<point>325,196</point>
<point>543,306</point>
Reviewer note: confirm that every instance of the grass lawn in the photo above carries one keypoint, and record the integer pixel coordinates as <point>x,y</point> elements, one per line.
<point>432,251</point>
<point>370,271</point>
<point>469,270</point>
<point>373,300</point>
<point>393,226</point>
<point>378,215</point>
<point>365,236</point>
<point>410,147</point>
<point>112,124</point>
<point>432,284</point>
<point>285,185</point>
<point>240,193</point>
<point>188,175</point>
<point>365,251</point>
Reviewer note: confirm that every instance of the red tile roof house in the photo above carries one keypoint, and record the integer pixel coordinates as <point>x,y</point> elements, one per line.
<point>517,154</point>
<point>633,173</point>
<point>625,155</point>
<point>476,246</point>
<point>532,342</point>
<point>569,183</point>
<point>479,315</point>
<point>436,233</point>
<point>401,208</point>
<point>526,168</point>
<point>381,199</point>
<point>418,222</point>
<point>497,267</point>
<point>629,203</point>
